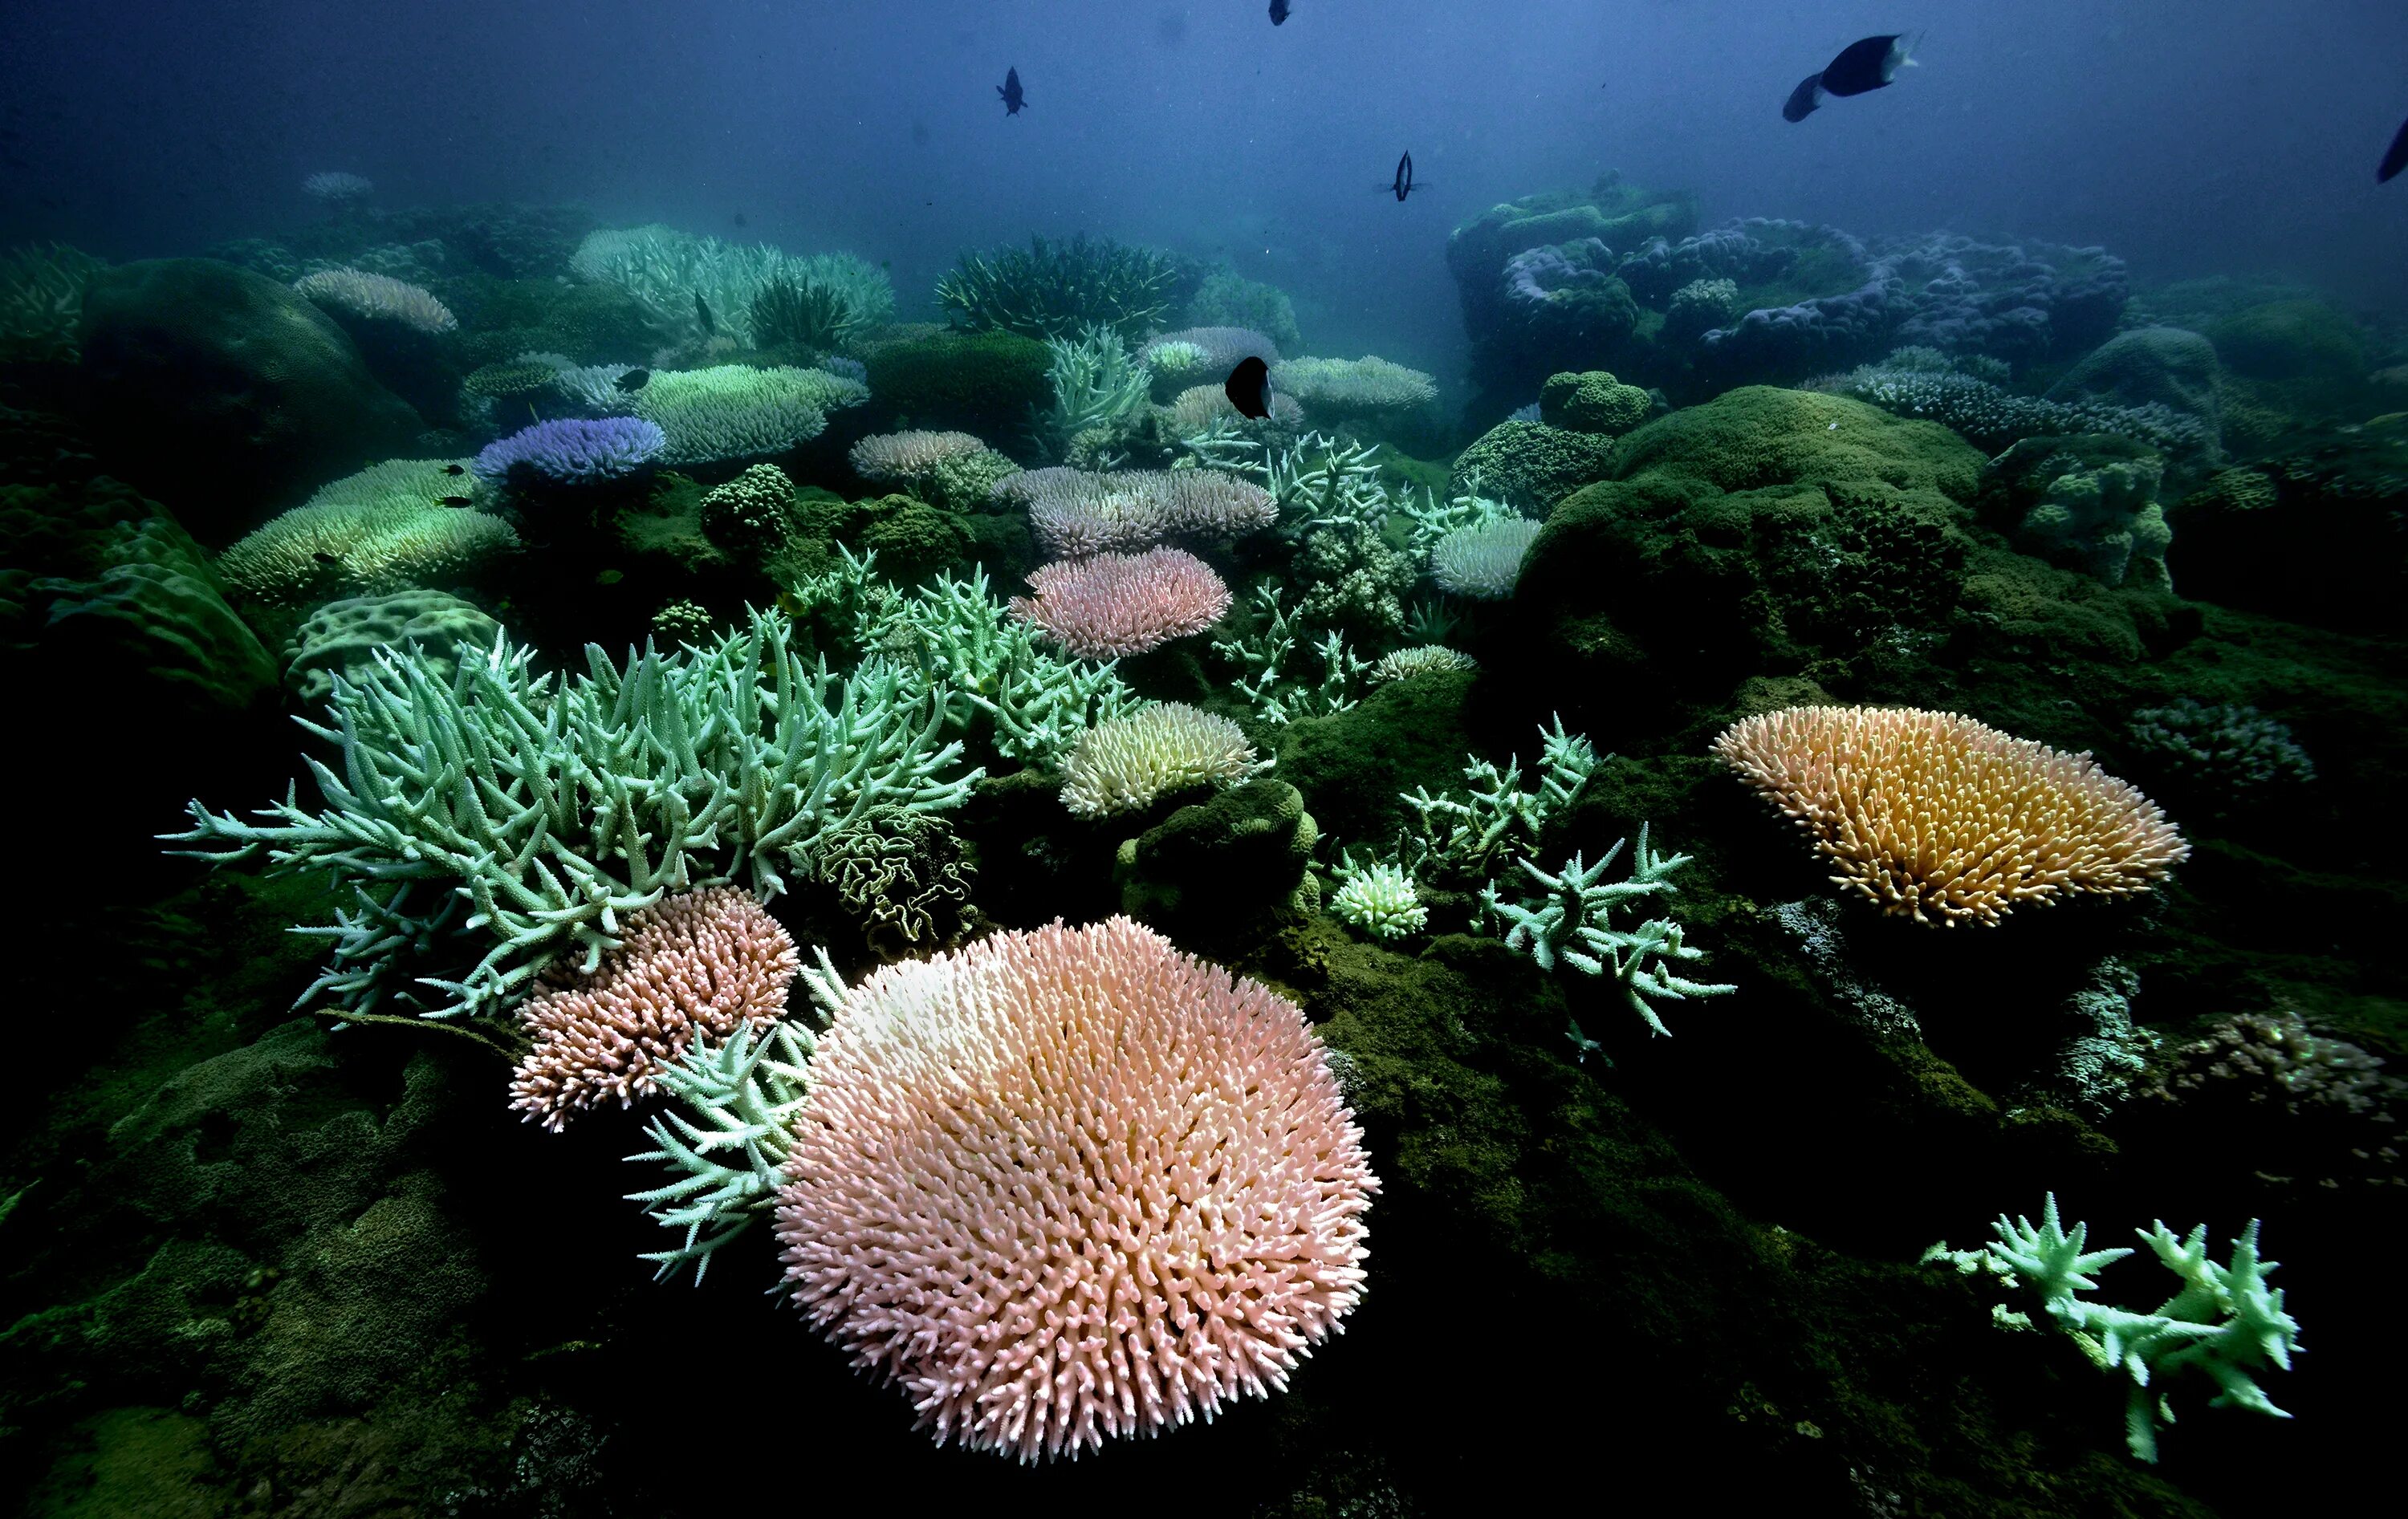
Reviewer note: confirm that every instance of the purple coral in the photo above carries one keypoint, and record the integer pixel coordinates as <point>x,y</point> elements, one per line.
<point>574,448</point>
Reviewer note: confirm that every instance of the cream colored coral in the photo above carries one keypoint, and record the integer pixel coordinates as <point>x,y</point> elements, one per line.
<point>1941,818</point>
<point>1124,764</point>
<point>1071,1185</point>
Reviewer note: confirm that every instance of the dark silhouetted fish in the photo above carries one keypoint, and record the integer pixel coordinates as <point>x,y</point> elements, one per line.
<point>2395,160</point>
<point>740,219</point>
<point>1249,387</point>
<point>702,314</point>
<point>636,379</point>
<point>1863,65</point>
<point>1279,12</point>
<point>324,558</point>
<point>453,500</point>
<point>1404,184</point>
<point>455,470</point>
<point>1009,90</point>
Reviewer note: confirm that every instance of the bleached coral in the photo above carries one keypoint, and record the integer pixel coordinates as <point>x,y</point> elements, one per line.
<point>1379,898</point>
<point>1334,389</point>
<point>1483,561</point>
<point>1125,764</point>
<point>1113,604</point>
<point>355,548</point>
<point>377,297</point>
<point>1077,513</point>
<point>1422,659</point>
<point>730,411</point>
<point>1073,1105</point>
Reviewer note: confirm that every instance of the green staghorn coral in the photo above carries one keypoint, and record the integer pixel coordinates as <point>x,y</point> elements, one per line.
<point>2223,1322</point>
<point>724,1128</point>
<point>549,806</point>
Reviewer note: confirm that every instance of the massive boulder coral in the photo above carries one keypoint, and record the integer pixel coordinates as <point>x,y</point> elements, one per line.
<point>226,390</point>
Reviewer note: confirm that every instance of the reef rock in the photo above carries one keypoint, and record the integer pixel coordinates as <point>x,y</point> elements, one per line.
<point>226,391</point>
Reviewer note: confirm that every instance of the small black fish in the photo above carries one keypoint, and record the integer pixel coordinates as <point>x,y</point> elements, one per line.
<point>453,500</point>
<point>324,558</point>
<point>1279,12</point>
<point>739,220</point>
<point>634,380</point>
<point>702,314</point>
<point>1866,65</point>
<point>1404,183</point>
<point>2395,159</point>
<point>455,470</point>
<point>1249,387</point>
<point>1009,90</point>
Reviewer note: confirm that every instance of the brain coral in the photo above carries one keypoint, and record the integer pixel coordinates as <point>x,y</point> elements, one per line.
<point>1930,813</point>
<point>1070,1184</point>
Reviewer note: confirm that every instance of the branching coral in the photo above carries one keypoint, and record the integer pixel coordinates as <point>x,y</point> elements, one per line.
<point>1075,512</point>
<point>550,807</point>
<point>574,450</point>
<point>801,314</point>
<point>1071,1185</point>
<point>1379,898</point>
<point>1571,921</point>
<point>1056,289</point>
<point>1337,388</point>
<point>377,297</point>
<point>1937,816</point>
<point>1125,764</point>
<point>678,277</point>
<point>696,965</point>
<point>1113,604</point>
<point>725,1131</point>
<point>1482,561</point>
<point>1994,417</point>
<point>1266,654</point>
<point>1095,384</point>
<point>2224,752</point>
<point>1422,659</point>
<point>730,411</point>
<point>1494,815</point>
<point>2223,1322</point>
<point>345,548</point>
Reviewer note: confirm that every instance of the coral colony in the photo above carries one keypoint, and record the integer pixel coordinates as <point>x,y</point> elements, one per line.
<point>1036,860</point>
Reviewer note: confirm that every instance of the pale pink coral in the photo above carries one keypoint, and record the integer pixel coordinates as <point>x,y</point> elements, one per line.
<point>1119,604</point>
<point>1071,1183</point>
<point>1075,512</point>
<point>701,963</point>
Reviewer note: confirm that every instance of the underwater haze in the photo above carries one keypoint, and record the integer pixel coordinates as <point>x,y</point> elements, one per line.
<point>1286,758</point>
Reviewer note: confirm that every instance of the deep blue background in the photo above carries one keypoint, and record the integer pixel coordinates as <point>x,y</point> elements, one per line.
<point>2190,135</point>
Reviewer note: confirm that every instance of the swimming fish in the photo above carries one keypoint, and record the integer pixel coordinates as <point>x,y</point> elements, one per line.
<point>455,470</point>
<point>1866,65</point>
<point>739,220</point>
<point>1403,184</point>
<point>2395,159</point>
<point>702,314</point>
<point>1249,387</point>
<point>1009,90</point>
<point>453,500</point>
<point>324,558</point>
<point>1279,12</point>
<point>634,380</point>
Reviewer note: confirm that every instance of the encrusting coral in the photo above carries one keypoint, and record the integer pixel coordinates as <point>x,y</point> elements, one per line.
<point>1071,1185</point>
<point>1937,816</point>
<point>696,964</point>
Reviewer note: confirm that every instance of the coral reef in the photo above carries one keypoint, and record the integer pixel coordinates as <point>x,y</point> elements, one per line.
<point>1125,764</point>
<point>679,277</point>
<point>1422,659</point>
<point>340,639</point>
<point>2224,755</point>
<point>1378,899</point>
<point>1010,1060</point>
<point>982,382</point>
<point>2091,504</point>
<point>1077,513</point>
<point>1115,604</point>
<point>1058,289</point>
<point>1929,811</point>
<point>572,449</point>
<point>225,388</point>
<point>1226,298</point>
<point>375,297</point>
<point>1339,390</point>
<point>694,965</point>
<point>754,512</point>
<point>1533,465</point>
<point>1593,402</point>
<point>730,411</point>
<point>362,548</point>
<point>903,876</point>
<point>1482,561</point>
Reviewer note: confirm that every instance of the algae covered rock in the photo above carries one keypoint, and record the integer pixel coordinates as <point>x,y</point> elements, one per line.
<point>1591,402</point>
<point>1531,464</point>
<point>226,390</point>
<point>2150,366</point>
<point>982,382</point>
<point>1219,873</point>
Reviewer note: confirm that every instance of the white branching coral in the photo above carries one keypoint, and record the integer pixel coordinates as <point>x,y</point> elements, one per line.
<point>1122,765</point>
<point>341,547</point>
<point>1379,898</point>
<point>1483,561</point>
<point>1333,389</point>
<point>377,297</point>
<point>1422,659</point>
<point>1071,1185</point>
